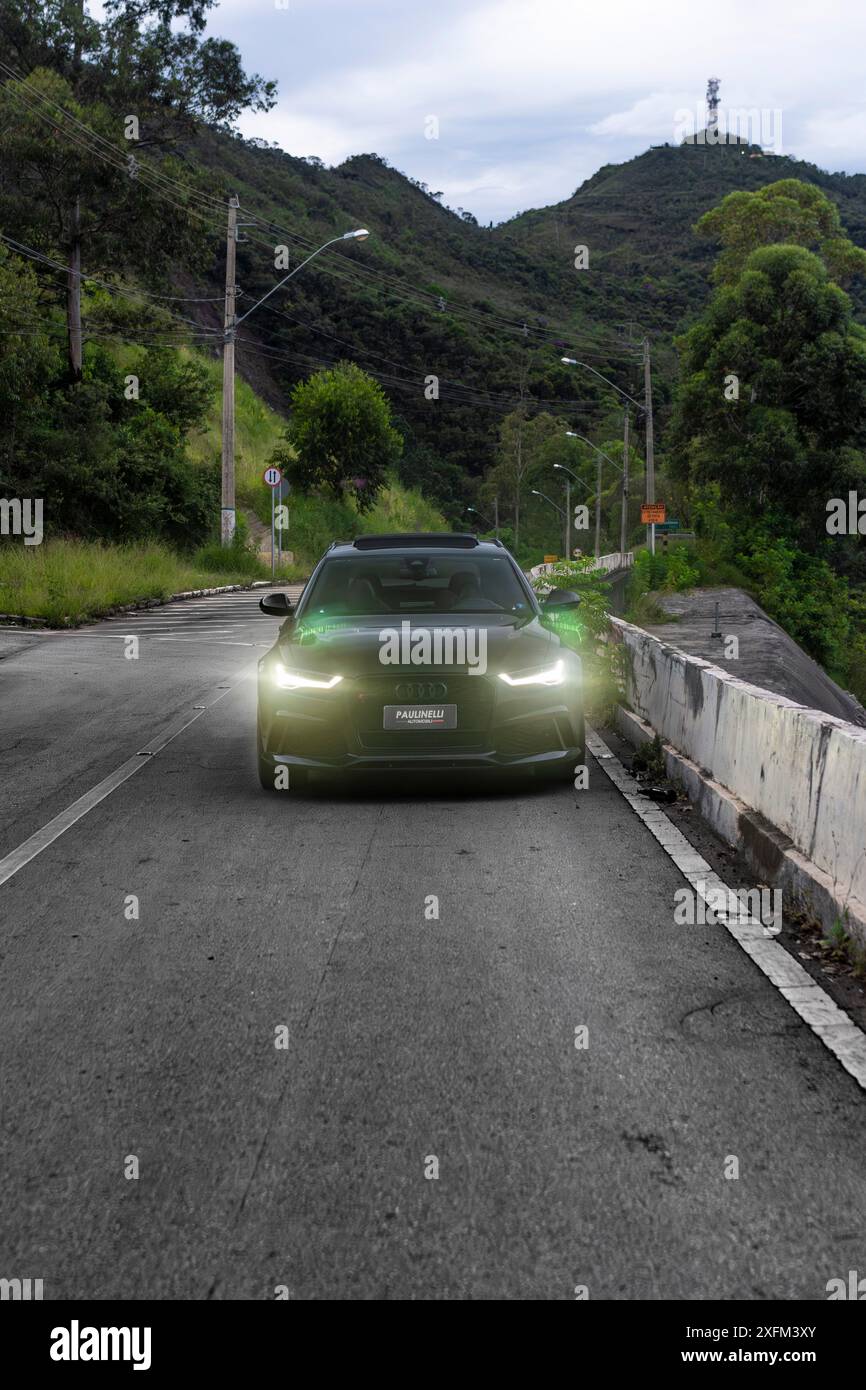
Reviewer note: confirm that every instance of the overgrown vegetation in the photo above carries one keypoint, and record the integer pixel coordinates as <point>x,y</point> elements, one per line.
<point>340,438</point>
<point>66,582</point>
<point>588,632</point>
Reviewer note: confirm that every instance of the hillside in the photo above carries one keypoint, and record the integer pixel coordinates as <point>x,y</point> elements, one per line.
<point>511,301</point>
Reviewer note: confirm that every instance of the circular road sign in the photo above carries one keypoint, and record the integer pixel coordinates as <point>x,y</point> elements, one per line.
<point>272,476</point>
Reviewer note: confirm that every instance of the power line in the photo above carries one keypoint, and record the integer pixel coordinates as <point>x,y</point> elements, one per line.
<point>20,249</point>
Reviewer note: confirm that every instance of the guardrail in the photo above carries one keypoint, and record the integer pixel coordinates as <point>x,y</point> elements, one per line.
<point>616,560</point>
<point>802,771</point>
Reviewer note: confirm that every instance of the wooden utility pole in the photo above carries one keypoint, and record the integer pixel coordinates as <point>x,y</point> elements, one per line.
<point>568,516</point>
<point>598,507</point>
<point>650,465</point>
<point>623,530</point>
<point>227,516</point>
<point>73,294</point>
<point>73,271</point>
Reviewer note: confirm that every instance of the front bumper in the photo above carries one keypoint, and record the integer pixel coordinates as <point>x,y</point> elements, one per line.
<point>498,727</point>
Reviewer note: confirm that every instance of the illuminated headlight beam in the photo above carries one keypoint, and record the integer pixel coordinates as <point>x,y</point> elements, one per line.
<point>293,680</point>
<point>553,675</point>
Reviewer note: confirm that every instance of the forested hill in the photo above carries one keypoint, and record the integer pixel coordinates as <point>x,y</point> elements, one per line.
<point>488,310</point>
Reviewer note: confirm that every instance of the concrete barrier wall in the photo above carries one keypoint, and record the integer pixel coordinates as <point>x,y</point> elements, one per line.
<point>616,560</point>
<point>803,770</point>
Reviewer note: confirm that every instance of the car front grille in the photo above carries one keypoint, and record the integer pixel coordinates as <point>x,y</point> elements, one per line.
<point>473,696</point>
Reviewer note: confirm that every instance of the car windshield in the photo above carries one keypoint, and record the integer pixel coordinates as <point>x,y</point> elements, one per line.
<point>369,585</point>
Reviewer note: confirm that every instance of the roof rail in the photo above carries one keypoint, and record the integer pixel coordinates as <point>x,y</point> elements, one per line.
<point>424,540</point>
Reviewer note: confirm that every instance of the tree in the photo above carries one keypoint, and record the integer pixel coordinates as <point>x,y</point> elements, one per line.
<point>520,456</point>
<point>340,434</point>
<point>789,211</point>
<point>84,108</point>
<point>28,355</point>
<point>772,404</point>
<point>437,478</point>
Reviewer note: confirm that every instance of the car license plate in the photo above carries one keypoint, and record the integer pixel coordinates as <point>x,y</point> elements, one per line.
<point>420,717</point>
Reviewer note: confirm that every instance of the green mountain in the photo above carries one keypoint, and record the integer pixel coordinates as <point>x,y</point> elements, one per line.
<point>487,310</point>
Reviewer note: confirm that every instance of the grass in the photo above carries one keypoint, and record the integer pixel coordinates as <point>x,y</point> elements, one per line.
<point>258,431</point>
<point>316,521</point>
<point>66,582</point>
<point>839,945</point>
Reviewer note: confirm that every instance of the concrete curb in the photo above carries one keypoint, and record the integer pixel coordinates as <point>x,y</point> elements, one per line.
<point>771,854</point>
<point>831,1024</point>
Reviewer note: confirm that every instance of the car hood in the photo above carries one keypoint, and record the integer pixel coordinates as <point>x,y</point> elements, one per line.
<point>352,646</point>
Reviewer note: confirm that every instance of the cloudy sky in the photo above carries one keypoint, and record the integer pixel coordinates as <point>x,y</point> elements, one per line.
<point>533,96</point>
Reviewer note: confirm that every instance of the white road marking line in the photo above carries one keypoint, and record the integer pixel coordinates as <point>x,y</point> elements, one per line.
<point>39,841</point>
<point>814,1005</point>
<point>218,641</point>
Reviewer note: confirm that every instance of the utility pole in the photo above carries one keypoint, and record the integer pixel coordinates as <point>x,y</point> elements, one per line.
<point>73,272</point>
<point>496,515</point>
<point>227,515</point>
<point>650,465</point>
<point>232,322</point>
<point>623,530</point>
<point>598,509</point>
<point>73,294</point>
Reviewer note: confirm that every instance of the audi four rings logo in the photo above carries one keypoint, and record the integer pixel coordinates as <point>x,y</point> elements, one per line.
<point>416,691</point>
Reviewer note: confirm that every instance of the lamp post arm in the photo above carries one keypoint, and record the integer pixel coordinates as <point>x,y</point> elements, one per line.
<point>285,278</point>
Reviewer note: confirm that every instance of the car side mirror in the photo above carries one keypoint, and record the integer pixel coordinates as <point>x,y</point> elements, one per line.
<point>561,599</point>
<point>277,606</point>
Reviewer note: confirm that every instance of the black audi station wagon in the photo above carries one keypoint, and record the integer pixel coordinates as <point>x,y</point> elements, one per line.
<point>420,653</point>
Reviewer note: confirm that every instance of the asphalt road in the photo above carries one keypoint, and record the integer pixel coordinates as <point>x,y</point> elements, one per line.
<point>408,1039</point>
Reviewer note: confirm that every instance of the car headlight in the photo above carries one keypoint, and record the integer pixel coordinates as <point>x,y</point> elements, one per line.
<point>295,680</point>
<point>551,675</point>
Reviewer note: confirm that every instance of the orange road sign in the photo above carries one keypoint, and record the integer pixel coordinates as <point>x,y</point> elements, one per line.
<point>652,513</point>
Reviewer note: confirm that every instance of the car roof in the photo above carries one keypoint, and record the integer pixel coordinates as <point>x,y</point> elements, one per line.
<point>439,541</point>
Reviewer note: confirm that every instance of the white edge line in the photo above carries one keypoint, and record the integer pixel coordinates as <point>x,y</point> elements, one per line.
<point>41,839</point>
<point>814,1005</point>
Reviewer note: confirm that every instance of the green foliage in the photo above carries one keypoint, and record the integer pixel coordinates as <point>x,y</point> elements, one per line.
<point>671,570</point>
<point>340,435</point>
<point>589,632</point>
<point>520,457</point>
<point>178,388</point>
<point>233,560</point>
<point>104,465</point>
<point>789,212</point>
<point>796,434</point>
<point>423,468</point>
<point>761,467</point>
<point>803,595</point>
<point>67,582</point>
<point>316,521</point>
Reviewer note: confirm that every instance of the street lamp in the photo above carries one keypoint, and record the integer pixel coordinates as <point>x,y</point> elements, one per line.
<point>536,493</point>
<point>573,362</point>
<point>563,469</point>
<point>227,524</point>
<point>360,234</point>
<point>572,434</point>
<point>476,512</point>
<point>647,409</point>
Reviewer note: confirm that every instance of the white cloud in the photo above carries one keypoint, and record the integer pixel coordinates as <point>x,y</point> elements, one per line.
<point>534,95</point>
